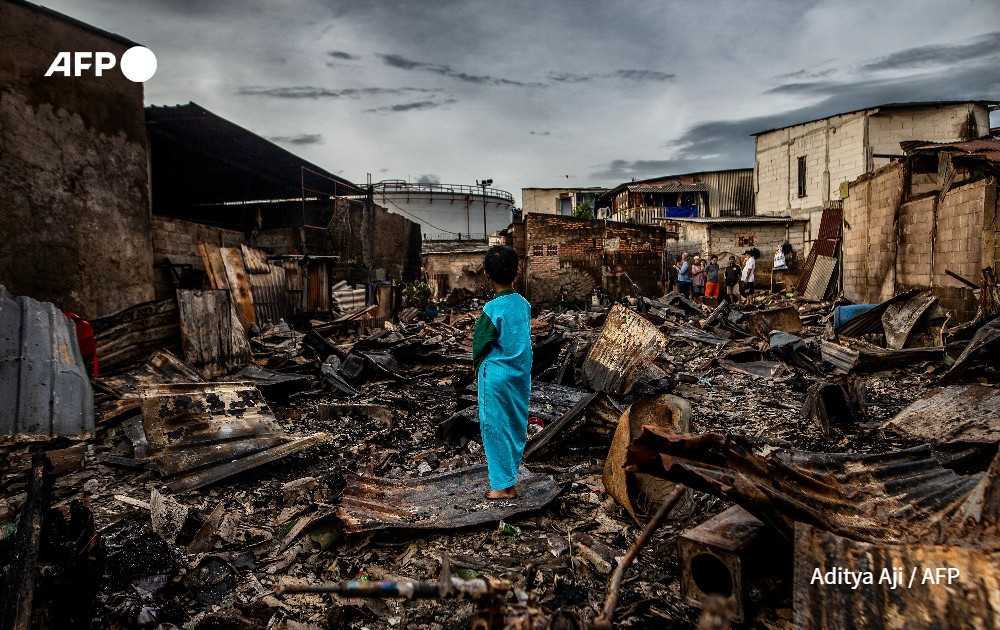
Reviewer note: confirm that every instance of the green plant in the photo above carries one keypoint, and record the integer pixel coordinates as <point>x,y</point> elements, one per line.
<point>417,294</point>
<point>584,210</point>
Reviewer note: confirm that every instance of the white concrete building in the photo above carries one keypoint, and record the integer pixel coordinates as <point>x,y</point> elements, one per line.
<point>799,168</point>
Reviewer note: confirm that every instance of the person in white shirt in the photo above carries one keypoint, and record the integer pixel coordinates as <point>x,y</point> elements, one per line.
<point>749,266</point>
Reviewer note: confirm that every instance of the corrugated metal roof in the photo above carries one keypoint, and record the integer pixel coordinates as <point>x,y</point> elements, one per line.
<point>44,388</point>
<point>901,497</point>
<point>667,188</point>
<point>445,501</point>
<point>986,148</point>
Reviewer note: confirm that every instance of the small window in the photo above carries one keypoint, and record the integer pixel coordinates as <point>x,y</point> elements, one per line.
<point>802,176</point>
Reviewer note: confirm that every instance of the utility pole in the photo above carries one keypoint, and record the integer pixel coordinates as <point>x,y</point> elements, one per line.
<point>484,184</point>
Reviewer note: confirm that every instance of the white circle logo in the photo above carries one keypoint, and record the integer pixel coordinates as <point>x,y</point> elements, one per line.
<point>138,64</point>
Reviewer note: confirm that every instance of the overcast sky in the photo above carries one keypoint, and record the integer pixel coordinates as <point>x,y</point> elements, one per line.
<point>545,94</point>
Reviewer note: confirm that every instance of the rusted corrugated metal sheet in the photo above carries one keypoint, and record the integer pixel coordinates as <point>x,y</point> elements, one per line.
<point>627,344</point>
<point>819,248</point>
<point>831,224</point>
<point>951,587</point>
<point>964,413</point>
<point>270,296</point>
<point>871,321</point>
<point>899,497</point>
<point>213,339</point>
<point>255,260</point>
<point>225,269</point>
<point>44,387</point>
<point>730,193</point>
<point>446,501</point>
<point>130,335</point>
<point>900,320</point>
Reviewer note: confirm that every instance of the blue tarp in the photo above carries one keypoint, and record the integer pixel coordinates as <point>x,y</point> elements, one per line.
<point>680,212</point>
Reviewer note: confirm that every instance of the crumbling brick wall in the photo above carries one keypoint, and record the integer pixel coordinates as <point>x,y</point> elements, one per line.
<point>957,234</point>
<point>869,249</point>
<point>74,203</point>
<point>176,241</point>
<point>578,255</point>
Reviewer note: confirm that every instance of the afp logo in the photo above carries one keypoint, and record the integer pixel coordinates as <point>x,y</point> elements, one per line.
<point>138,64</point>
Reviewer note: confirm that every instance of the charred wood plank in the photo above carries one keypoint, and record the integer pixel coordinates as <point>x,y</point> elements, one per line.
<point>15,606</point>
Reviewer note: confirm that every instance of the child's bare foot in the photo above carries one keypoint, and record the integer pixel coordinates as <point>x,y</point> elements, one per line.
<point>506,493</point>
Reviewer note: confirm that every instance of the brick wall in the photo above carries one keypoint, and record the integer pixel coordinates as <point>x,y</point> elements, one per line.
<point>580,254</point>
<point>959,234</point>
<point>869,248</point>
<point>947,123</point>
<point>176,241</point>
<point>834,152</point>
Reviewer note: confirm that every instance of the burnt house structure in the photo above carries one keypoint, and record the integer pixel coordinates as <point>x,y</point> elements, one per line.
<point>216,182</point>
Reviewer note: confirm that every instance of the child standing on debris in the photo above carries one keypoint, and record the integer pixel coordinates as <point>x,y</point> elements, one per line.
<point>501,355</point>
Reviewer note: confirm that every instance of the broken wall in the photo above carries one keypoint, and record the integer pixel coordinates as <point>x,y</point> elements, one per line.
<point>367,238</point>
<point>958,234</point>
<point>450,270</point>
<point>870,239</point>
<point>578,255</point>
<point>176,241</point>
<point>74,206</point>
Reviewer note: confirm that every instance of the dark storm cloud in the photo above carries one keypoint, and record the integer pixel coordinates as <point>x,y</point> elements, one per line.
<point>975,49</point>
<point>305,138</point>
<point>729,144</point>
<point>398,61</point>
<point>643,75</point>
<point>428,179</point>
<point>630,75</point>
<point>305,91</point>
<point>570,77</point>
<point>406,107</point>
<point>806,73</point>
<point>337,54</point>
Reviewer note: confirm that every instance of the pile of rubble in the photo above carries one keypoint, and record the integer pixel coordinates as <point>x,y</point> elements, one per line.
<point>332,474</point>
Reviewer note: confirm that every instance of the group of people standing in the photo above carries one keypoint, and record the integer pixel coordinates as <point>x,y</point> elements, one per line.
<point>698,277</point>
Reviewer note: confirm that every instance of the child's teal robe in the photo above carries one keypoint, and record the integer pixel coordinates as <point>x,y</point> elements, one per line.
<point>501,354</point>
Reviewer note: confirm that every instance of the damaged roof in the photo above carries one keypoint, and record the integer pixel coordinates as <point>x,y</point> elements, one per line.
<point>987,148</point>
<point>199,158</point>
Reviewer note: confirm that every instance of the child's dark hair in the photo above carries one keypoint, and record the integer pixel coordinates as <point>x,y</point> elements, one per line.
<point>501,264</point>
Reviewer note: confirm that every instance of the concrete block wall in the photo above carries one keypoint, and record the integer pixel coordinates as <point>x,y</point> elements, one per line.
<point>869,248</point>
<point>947,123</point>
<point>834,152</point>
<point>176,241</point>
<point>455,270</point>
<point>959,238</point>
<point>916,224</point>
